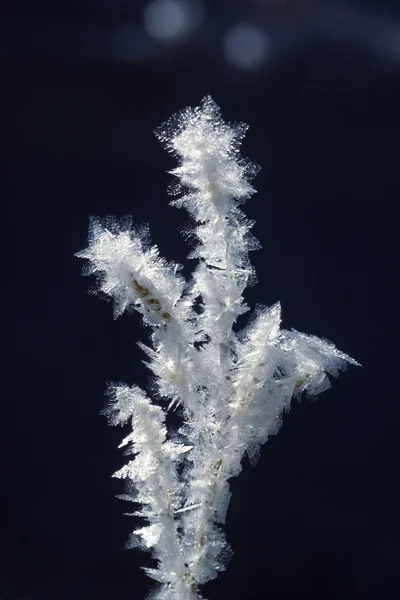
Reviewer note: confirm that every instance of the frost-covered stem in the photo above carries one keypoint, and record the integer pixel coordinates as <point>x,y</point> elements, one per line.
<point>170,530</point>
<point>205,511</point>
<point>231,387</point>
<point>223,301</point>
<point>184,583</point>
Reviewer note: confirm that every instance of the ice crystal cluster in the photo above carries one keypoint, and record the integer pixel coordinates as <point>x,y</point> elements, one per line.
<point>231,387</point>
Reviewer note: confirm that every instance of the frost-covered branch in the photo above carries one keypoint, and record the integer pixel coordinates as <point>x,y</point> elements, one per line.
<point>232,387</point>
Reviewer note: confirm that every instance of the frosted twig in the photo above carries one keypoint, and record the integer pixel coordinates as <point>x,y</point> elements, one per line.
<point>231,387</point>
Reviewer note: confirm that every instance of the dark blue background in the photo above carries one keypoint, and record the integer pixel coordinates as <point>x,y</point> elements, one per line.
<point>318,517</point>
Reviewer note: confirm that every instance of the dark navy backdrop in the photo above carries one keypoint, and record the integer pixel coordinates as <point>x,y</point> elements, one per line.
<point>83,86</point>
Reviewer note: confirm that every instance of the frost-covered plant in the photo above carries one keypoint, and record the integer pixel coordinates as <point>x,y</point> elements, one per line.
<point>231,387</point>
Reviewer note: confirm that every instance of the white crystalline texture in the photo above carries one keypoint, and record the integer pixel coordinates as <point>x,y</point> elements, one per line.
<point>231,388</point>
<point>207,149</point>
<point>130,271</point>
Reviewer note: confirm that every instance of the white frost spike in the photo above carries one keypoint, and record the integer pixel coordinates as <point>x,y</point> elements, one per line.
<point>150,534</point>
<point>232,387</point>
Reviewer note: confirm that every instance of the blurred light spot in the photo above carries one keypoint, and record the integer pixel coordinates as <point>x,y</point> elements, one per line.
<point>172,20</point>
<point>246,46</point>
<point>130,43</point>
